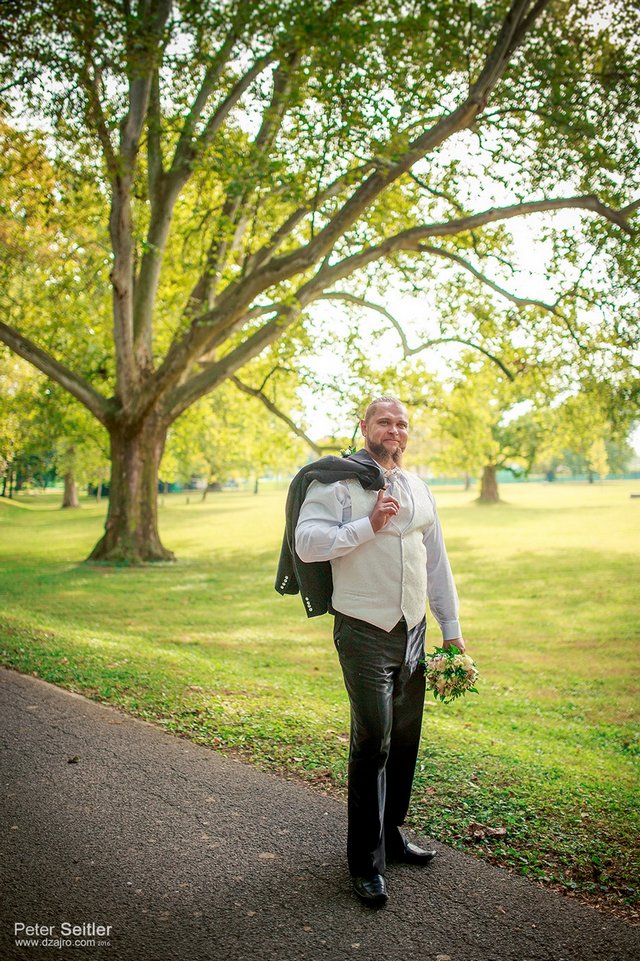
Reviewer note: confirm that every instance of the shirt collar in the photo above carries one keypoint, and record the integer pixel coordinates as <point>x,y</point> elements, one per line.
<point>365,457</point>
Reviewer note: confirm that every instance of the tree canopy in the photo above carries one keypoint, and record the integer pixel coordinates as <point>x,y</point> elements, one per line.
<point>187,179</point>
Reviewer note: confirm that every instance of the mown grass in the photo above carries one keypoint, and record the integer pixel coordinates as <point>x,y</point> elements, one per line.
<point>550,602</point>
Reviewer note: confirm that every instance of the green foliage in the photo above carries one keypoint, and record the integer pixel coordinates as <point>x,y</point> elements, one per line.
<point>363,84</point>
<point>44,433</point>
<point>227,436</point>
<point>54,253</point>
<point>597,458</point>
<point>182,183</point>
<point>591,424</point>
<point>477,423</point>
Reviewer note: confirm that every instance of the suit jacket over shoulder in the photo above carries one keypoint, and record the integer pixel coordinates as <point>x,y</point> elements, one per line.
<point>314,581</point>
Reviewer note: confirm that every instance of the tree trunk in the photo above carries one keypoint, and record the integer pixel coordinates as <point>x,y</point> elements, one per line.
<point>467,481</point>
<point>131,530</point>
<point>70,497</point>
<point>489,486</point>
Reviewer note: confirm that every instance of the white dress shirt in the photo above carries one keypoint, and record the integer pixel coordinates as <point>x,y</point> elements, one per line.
<point>325,531</point>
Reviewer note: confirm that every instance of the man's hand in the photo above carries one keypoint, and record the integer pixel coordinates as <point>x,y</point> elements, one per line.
<point>385,508</point>
<point>455,642</point>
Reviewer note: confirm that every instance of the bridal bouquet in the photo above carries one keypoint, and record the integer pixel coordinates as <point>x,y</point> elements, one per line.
<point>450,674</point>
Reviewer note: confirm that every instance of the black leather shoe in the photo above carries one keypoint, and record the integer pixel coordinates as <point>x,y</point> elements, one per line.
<point>371,890</point>
<point>411,854</point>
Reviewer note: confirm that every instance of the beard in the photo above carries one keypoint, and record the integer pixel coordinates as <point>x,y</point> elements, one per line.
<point>383,455</point>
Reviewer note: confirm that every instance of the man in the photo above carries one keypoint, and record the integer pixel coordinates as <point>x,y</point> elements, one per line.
<point>387,557</point>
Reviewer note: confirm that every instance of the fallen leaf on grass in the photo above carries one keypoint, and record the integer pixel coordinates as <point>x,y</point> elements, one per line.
<point>481,831</point>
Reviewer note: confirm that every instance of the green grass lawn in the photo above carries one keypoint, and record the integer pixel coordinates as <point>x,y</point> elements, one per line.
<point>550,590</point>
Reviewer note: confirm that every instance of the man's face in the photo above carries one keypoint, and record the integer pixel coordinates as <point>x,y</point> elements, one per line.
<point>386,432</point>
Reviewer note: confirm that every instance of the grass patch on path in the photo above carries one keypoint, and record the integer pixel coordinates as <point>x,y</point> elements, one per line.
<point>550,603</point>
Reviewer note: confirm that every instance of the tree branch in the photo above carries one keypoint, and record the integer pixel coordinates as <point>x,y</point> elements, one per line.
<point>239,294</point>
<point>513,298</point>
<point>155,171</point>
<point>583,202</point>
<point>141,57</point>
<point>406,350</point>
<point>441,194</point>
<point>213,326</point>
<point>410,240</point>
<point>179,173</point>
<point>188,146</point>
<point>262,256</point>
<point>185,153</point>
<point>234,221</point>
<point>183,351</point>
<point>185,146</point>
<point>209,83</point>
<point>164,189</point>
<point>90,79</point>
<point>81,389</point>
<point>265,272</point>
<point>270,127</point>
<point>514,28</point>
<point>96,117</point>
<point>147,281</point>
<point>216,372</point>
<point>466,265</point>
<point>253,392</point>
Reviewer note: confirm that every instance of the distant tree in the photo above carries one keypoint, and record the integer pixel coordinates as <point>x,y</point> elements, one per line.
<point>593,423</point>
<point>45,434</point>
<point>489,422</point>
<point>597,459</point>
<point>620,454</point>
<point>21,460</point>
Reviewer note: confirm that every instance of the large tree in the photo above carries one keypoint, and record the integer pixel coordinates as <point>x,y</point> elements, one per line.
<point>250,159</point>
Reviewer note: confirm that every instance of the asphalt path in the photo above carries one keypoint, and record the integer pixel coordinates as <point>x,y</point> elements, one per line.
<point>179,853</point>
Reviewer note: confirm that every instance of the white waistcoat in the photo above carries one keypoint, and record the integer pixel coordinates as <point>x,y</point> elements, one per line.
<point>385,578</point>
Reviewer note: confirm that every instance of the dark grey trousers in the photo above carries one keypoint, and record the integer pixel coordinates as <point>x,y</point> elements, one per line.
<point>386,689</point>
